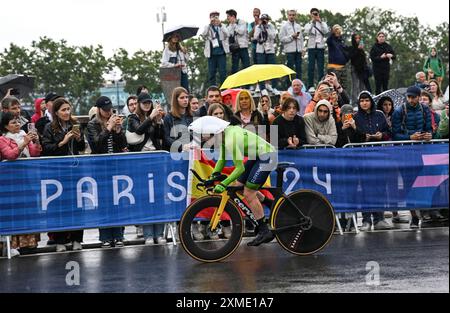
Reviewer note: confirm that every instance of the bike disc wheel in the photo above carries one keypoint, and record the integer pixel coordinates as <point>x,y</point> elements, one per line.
<point>318,209</point>
<point>210,248</point>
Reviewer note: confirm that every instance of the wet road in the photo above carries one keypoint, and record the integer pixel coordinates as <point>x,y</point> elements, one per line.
<point>409,261</point>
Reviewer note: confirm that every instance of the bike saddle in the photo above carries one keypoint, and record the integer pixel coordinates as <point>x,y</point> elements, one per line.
<point>284,165</point>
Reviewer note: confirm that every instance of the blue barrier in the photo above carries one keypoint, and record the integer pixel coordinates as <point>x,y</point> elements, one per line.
<point>54,194</point>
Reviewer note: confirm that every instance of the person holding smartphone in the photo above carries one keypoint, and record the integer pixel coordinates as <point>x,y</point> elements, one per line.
<point>316,31</point>
<point>291,36</point>
<point>216,48</point>
<point>105,135</point>
<point>61,139</point>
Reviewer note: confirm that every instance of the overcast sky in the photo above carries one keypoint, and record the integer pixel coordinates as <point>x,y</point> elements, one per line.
<point>131,24</point>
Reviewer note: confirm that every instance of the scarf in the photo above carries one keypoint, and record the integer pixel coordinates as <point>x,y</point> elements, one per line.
<point>18,138</point>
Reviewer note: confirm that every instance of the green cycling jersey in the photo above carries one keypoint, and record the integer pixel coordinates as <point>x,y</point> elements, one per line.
<point>237,144</point>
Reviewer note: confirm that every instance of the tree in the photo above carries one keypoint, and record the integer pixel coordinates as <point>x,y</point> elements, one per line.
<point>74,72</point>
<point>140,69</point>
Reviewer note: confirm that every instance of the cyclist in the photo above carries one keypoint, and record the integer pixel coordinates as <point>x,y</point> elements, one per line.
<point>236,144</point>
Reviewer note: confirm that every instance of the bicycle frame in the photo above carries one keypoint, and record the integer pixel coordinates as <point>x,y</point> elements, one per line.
<point>231,194</point>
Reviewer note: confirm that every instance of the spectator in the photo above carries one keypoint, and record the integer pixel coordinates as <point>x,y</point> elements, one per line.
<point>228,99</point>
<point>217,110</point>
<point>213,95</point>
<point>412,122</point>
<point>381,55</point>
<point>238,31</point>
<point>147,121</point>
<point>421,80</point>
<point>39,110</point>
<point>105,135</point>
<point>176,56</point>
<point>15,143</point>
<point>338,54</point>
<point>332,79</point>
<point>251,31</point>
<point>265,108</point>
<point>434,67</point>
<point>316,30</point>
<point>386,105</point>
<point>59,139</point>
<point>216,48</point>
<point>323,92</point>
<point>291,36</point>
<point>176,135</point>
<point>48,115</point>
<point>426,99</point>
<point>141,89</point>
<point>12,104</point>
<point>372,126</point>
<point>194,103</point>
<point>336,112</point>
<point>359,67</point>
<point>346,128</point>
<point>320,126</point>
<point>443,125</point>
<point>291,126</point>
<point>303,98</point>
<point>438,98</point>
<point>130,108</point>
<point>265,34</point>
<point>278,108</point>
<point>247,114</point>
<point>369,121</point>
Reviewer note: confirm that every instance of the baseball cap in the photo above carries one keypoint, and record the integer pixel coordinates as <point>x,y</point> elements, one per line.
<point>413,91</point>
<point>144,97</point>
<point>51,96</point>
<point>104,103</point>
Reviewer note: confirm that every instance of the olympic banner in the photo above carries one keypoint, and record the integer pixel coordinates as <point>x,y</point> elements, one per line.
<point>68,193</point>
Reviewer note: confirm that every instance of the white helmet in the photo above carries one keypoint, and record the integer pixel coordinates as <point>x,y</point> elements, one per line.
<point>208,125</point>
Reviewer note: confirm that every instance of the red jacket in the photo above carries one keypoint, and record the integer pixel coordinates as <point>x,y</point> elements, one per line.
<point>9,150</point>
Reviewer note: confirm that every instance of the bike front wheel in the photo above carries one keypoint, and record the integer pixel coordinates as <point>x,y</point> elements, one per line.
<point>204,244</point>
<point>286,219</point>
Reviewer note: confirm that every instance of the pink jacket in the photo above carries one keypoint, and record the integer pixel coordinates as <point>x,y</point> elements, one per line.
<point>9,150</point>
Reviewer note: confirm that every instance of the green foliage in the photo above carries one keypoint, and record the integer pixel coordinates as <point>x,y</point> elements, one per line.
<point>75,72</point>
<point>140,69</point>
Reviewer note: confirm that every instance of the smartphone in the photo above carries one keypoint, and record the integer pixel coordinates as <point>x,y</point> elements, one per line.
<point>76,128</point>
<point>348,117</point>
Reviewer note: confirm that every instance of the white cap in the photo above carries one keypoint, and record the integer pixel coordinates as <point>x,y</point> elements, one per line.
<point>208,125</point>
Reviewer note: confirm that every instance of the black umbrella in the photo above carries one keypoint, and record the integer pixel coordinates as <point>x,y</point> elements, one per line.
<point>185,32</point>
<point>21,84</point>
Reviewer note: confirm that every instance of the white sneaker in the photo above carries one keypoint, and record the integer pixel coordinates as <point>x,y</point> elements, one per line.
<point>197,231</point>
<point>276,92</point>
<point>149,241</point>
<point>76,246</point>
<point>14,252</point>
<point>161,240</point>
<point>60,248</point>
<point>226,231</point>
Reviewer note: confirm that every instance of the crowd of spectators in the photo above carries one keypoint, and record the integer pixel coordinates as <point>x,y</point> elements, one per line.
<point>322,115</point>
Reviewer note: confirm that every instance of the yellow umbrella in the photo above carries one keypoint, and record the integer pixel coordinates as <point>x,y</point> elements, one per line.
<point>256,73</point>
